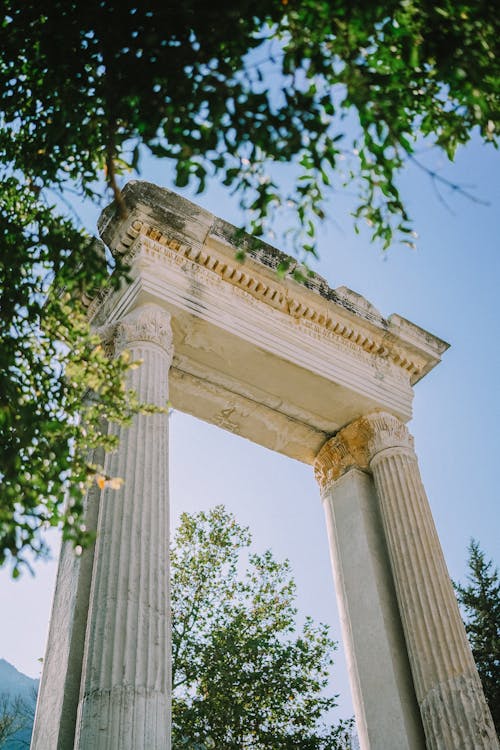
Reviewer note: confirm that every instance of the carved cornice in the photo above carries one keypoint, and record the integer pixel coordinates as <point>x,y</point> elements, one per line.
<point>138,234</point>
<point>148,323</point>
<point>166,227</point>
<point>357,444</point>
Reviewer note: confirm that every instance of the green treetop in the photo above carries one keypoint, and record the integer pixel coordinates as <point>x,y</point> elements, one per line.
<point>245,675</point>
<point>480,602</point>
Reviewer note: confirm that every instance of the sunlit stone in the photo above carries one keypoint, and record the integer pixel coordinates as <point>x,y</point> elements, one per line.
<point>287,366</point>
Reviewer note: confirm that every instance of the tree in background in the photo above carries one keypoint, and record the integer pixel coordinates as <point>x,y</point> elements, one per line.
<point>341,89</point>
<point>480,602</point>
<point>16,713</point>
<point>244,674</point>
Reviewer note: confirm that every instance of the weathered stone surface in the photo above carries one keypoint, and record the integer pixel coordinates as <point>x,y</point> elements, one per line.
<point>386,709</point>
<point>306,356</point>
<point>453,708</point>
<point>191,232</point>
<point>57,704</point>
<point>125,693</point>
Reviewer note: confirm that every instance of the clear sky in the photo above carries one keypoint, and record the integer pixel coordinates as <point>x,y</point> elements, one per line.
<point>449,286</point>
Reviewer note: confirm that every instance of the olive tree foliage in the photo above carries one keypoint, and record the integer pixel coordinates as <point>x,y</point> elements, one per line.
<point>340,89</point>
<point>244,674</point>
<point>479,600</point>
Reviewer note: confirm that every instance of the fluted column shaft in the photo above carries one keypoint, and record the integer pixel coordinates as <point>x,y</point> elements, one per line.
<point>453,708</point>
<point>387,715</point>
<point>125,694</point>
<point>57,704</point>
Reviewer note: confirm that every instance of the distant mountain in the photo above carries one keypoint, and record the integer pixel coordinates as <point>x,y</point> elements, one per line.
<point>14,682</point>
<point>16,685</point>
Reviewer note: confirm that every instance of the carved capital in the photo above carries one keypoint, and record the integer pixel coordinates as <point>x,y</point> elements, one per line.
<point>357,444</point>
<point>385,431</point>
<point>148,323</point>
<point>347,449</point>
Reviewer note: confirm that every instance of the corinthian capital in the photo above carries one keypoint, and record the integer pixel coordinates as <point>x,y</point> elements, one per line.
<point>147,323</point>
<point>385,431</point>
<point>356,445</point>
<point>346,449</point>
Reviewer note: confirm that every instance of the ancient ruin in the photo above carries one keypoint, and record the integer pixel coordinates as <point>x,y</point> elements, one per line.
<point>312,372</point>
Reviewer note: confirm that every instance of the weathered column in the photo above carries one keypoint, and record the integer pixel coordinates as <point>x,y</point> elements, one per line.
<point>453,708</point>
<point>57,703</point>
<point>125,693</point>
<point>387,715</point>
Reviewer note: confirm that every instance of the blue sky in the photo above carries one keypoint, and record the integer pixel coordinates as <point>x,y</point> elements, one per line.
<point>449,286</point>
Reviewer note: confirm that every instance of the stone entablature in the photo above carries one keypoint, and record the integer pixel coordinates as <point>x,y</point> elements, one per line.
<point>300,339</point>
<point>214,244</point>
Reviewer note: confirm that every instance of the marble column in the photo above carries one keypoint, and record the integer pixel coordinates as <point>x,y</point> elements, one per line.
<point>125,692</point>
<point>387,715</point>
<point>452,705</point>
<point>58,696</point>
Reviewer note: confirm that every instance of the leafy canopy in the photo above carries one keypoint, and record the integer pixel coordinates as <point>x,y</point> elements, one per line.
<point>244,674</point>
<point>57,386</point>
<point>220,92</point>
<point>480,602</point>
<point>340,89</point>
